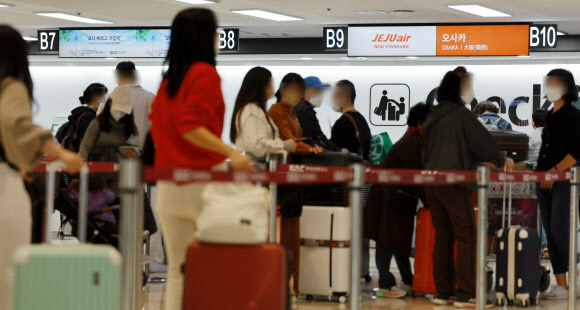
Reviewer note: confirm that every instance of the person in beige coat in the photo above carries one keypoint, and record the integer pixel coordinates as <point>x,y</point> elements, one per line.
<point>22,145</point>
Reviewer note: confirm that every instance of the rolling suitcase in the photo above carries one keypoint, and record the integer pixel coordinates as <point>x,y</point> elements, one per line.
<point>240,277</point>
<point>325,252</point>
<point>68,277</point>
<point>518,264</point>
<point>516,144</point>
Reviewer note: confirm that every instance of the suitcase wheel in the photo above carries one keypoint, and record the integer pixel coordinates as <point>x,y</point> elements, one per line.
<point>501,302</point>
<point>342,299</point>
<point>309,297</point>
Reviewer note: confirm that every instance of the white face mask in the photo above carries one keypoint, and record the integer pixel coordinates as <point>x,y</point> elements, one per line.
<point>467,96</point>
<point>553,94</point>
<point>117,115</point>
<point>316,101</point>
<point>336,108</point>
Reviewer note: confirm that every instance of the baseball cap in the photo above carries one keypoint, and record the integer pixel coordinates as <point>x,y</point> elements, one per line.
<point>122,99</point>
<point>313,81</point>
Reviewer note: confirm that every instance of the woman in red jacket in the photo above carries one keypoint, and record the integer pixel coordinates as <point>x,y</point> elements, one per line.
<point>187,120</point>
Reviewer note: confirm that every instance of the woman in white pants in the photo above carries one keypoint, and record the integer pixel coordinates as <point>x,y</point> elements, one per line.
<point>22,144</point>
<point>186,125</point>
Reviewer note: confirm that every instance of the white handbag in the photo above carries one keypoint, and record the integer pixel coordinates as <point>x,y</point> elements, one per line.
<point>233,213</point>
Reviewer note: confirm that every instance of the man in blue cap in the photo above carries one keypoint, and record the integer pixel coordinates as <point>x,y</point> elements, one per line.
<point>307,116</point>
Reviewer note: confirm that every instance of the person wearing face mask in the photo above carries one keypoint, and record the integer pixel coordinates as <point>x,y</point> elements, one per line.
<point>289,95</point>
<point>126,75</point>
<point>559,151</point>
<point>351,131</point>
<point>113,128</point>
<point>307,115</point>
<point>455,140</point>
<point>70,135</point>
<point>251,128</point>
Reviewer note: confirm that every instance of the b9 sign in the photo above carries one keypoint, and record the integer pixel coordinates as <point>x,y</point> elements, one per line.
<point>335,38</point>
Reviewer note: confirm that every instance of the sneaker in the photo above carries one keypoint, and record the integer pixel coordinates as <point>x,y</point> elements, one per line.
<point>394,292</point>
<point>556,293</point>
<point>545,253</point>
<point>443,301</point>
<point>409,288</point>
<point>469,303</point>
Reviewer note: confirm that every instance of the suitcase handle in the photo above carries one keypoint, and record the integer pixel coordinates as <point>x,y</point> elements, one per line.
<point>51,169</point>
<point>505,188</point>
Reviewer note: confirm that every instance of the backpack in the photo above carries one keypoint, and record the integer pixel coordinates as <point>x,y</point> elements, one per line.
<point>380,145</point>
<point>489,124</point>
<point>67,134</point>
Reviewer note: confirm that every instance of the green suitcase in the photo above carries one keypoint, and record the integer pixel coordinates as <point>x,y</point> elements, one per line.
<point>66,277</point>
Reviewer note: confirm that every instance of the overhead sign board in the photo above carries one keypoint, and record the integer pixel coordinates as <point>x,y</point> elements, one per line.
<point>47,40</point>
<point>543,36</point>
<point>392,41</point>
<point>128,43</point>
<point>456,40</point>
<point>483,40</point>
<point>335,38</point>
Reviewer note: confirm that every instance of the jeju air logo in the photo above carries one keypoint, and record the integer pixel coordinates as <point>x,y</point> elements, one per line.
<point>391,38</point>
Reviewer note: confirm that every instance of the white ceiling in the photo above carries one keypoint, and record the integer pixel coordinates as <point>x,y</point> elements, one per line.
<point>316,13</point>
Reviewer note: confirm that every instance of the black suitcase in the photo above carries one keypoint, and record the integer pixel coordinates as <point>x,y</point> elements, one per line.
<point>519,273</point>
<point>325,194</point>
<point>516,144</point>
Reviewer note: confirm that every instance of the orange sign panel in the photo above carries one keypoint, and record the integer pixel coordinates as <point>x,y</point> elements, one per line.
<point>483,40</point>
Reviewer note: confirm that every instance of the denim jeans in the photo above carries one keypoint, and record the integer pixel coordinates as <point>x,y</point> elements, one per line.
<point>555,209</point>
<point>383,258</point>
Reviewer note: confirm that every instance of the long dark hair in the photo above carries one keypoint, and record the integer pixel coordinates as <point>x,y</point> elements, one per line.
<point>14,57</point>
<point>192,40</point>
<point>253,90</point>
<point>290,78</point>
<point>105,118</point>
<point>567,78</point>
<point>95,89</point>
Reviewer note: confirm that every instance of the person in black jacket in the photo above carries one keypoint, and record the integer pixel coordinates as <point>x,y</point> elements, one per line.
<point>81,117</point>
<point>456,140</point>
<point>560,150</point>
<point>389,217</point>
<point>351,131</point>
<point>313,95</point>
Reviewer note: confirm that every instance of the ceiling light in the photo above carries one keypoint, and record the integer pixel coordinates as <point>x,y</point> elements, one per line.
<point>198,1</point>
<point>561,33</point>
<point>523,56</point>
<point>30,39</point>
<point>267,15</point>
<point>306,58</point>
<point>74,18</point>
<point>479,10</point>
<point>110,58</point>
<point>403,13</point>
<point>371,12</point>
<point>6,5</point>
<point>412,57</point>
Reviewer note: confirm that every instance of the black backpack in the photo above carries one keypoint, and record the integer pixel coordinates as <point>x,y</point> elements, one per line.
<point>67,134</point>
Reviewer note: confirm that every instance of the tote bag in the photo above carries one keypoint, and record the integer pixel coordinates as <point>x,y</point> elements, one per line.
<point>233,213</point>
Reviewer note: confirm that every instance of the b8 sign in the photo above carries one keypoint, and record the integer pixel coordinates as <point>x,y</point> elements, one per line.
<point>229,39</point>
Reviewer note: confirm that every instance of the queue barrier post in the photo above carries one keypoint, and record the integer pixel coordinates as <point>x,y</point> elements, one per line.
<point>131,229</point>
<point>273,166</point>
<point>355,200</point>
<point>83,203</point>
<point>574,186</point>
<point>483,178</point>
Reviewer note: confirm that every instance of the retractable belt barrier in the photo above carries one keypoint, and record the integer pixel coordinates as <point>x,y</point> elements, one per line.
<point>132,176</point>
